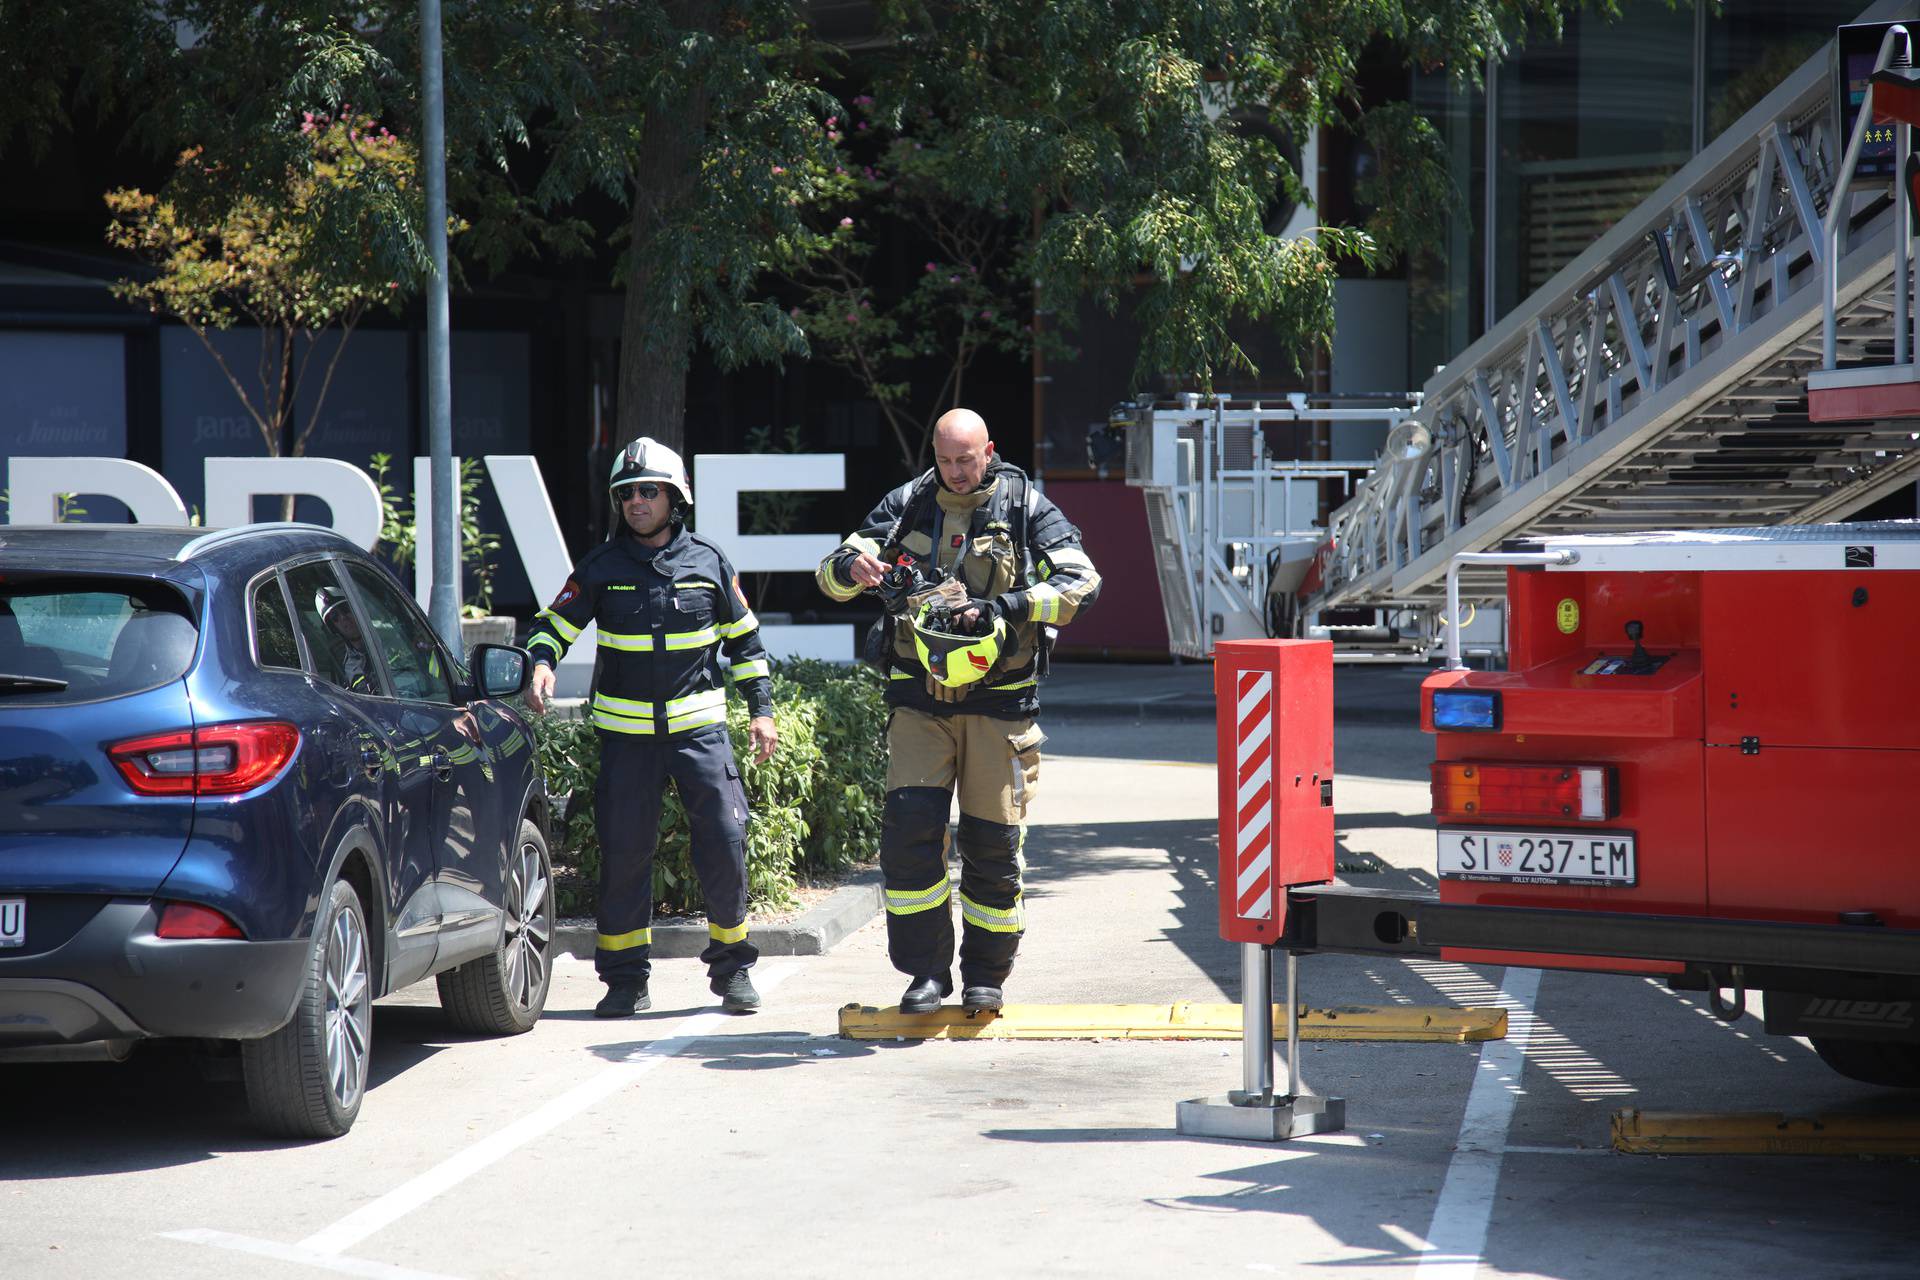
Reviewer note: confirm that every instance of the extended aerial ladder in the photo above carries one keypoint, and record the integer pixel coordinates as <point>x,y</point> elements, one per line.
<point>1657,381</point>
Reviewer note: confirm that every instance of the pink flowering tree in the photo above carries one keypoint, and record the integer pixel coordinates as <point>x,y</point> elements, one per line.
<point>292,254</point>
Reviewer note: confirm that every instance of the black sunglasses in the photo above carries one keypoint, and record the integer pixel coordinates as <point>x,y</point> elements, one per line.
<point>628,492</point>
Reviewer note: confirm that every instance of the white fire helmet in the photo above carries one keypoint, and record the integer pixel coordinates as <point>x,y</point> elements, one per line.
<point>648,459</point>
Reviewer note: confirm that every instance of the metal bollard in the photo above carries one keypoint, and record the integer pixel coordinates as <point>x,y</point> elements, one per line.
<point>1254,1113</point>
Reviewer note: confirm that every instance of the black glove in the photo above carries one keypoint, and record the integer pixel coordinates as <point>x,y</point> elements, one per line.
<point>983,620</point>
<point>899,582</point>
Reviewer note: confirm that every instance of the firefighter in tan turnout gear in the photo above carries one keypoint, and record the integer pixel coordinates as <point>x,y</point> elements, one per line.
<point>667,604</point>
<point>975,568</point>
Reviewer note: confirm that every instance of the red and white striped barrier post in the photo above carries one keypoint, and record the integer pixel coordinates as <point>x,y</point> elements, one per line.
<point>1274,701</point>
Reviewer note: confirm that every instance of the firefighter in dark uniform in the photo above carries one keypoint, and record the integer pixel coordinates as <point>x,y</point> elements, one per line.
<point>331,604</point>
<point>963,665</point>
<point>666,603</point>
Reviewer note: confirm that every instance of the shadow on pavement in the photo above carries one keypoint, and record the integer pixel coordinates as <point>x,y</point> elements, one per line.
<point>170,1103</point>
<point>1060,854</point>
<point>749,1050</point>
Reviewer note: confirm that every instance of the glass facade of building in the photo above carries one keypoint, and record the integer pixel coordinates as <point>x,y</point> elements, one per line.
<point>1582,129</point>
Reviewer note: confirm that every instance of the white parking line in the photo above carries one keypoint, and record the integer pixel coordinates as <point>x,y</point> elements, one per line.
<point>455,1169</point>
<point>1458,1234</point>
<point>305,1257</point>
<point>323,1248</point>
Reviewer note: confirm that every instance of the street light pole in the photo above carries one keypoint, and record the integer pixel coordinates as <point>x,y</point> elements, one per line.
<point>443,608</point>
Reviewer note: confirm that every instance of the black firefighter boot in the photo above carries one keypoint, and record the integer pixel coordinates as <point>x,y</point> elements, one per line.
<point>625,996</point>
<point>924,995</point>
<point>736,992</point>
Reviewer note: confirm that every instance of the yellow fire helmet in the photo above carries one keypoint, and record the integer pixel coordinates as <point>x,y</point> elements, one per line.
<point>950,657</point>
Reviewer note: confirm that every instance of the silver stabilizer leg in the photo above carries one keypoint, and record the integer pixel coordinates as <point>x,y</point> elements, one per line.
<point>1253,1111</point>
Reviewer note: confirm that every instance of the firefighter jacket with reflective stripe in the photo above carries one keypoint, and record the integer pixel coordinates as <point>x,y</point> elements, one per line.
<point>664,617</point>
<point>1045,584</point>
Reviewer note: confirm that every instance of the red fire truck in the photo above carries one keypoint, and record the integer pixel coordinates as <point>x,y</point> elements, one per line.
<point>1702,763</point>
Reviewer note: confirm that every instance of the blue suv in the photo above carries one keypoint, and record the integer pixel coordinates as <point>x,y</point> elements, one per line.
<point>244,791</point>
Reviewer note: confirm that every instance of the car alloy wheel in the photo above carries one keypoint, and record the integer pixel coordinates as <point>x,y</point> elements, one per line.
<point>504,992</point>
<point>308,1079</point>
<point>349,1010</point>
<point>529,931</point>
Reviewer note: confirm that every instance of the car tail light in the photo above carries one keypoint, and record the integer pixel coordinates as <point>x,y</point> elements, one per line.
<point>1468,792</point>
<point>216,761</point>
<point>191,920</point>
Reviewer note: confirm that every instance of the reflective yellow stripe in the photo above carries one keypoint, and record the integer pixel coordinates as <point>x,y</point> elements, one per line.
<point>630,644</point>
<point>836,587</point>
<point>736,934</point>
<point>675,724</point>
<point>545,640</point>
<point>698,702</point>
<point>1043,603</point>
<point>620,724</point>
<point>716,715</point>
<point>752,669</point>
<point>899,675</point>
<point>1017,684</point>
<point>567,630</point>
<point>831,582</point>
<point>903,902</point>
<point>686,583</point>
<point>624,715</point>
<point>739,626</point>
<point>991,918</point>
<point>623,941</point>
<point>622,706</point>
<point>690,639</point>
<point>1067,558</point>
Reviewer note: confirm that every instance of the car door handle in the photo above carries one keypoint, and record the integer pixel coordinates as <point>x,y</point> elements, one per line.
<point>442,764</point>
<point>370,759</point>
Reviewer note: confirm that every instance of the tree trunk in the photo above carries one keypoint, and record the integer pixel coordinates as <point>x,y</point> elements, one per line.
<point>657,332</point>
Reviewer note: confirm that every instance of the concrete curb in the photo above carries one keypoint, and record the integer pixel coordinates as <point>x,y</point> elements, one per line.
<point>813,934</point>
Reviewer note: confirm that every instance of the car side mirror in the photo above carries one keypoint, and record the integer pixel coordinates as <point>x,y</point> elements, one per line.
<point>500,670</point>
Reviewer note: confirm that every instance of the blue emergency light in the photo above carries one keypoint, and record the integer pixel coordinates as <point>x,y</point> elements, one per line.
<point>1466,711</point>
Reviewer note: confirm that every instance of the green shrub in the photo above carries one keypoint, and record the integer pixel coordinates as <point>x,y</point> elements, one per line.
<point>844,822</point>
<point>815,805</point>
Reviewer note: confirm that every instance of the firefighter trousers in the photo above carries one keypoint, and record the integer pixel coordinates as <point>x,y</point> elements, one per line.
<point>995,766</point>
<point>634,771</point>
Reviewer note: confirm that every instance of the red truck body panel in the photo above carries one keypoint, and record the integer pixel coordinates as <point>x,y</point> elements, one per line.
<point>1769,769</point>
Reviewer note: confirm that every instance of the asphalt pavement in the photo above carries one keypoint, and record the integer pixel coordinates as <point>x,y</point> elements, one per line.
<point>684,1142</point>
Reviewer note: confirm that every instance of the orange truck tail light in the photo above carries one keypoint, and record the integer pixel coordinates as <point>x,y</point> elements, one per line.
<point>1469,791</point>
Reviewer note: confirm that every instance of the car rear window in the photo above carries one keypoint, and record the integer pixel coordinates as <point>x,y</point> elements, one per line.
<point>274,644</point>
<point>76,640</point>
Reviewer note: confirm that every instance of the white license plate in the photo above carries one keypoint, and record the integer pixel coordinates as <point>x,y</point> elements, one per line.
<point>13,922</point>
<point>1538,857</point>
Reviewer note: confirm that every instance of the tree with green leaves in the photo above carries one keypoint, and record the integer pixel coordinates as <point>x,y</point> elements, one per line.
<point>1142,141</point>
<point>972,297</point>
<point>268,252</point>
<point>1120,152</point>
